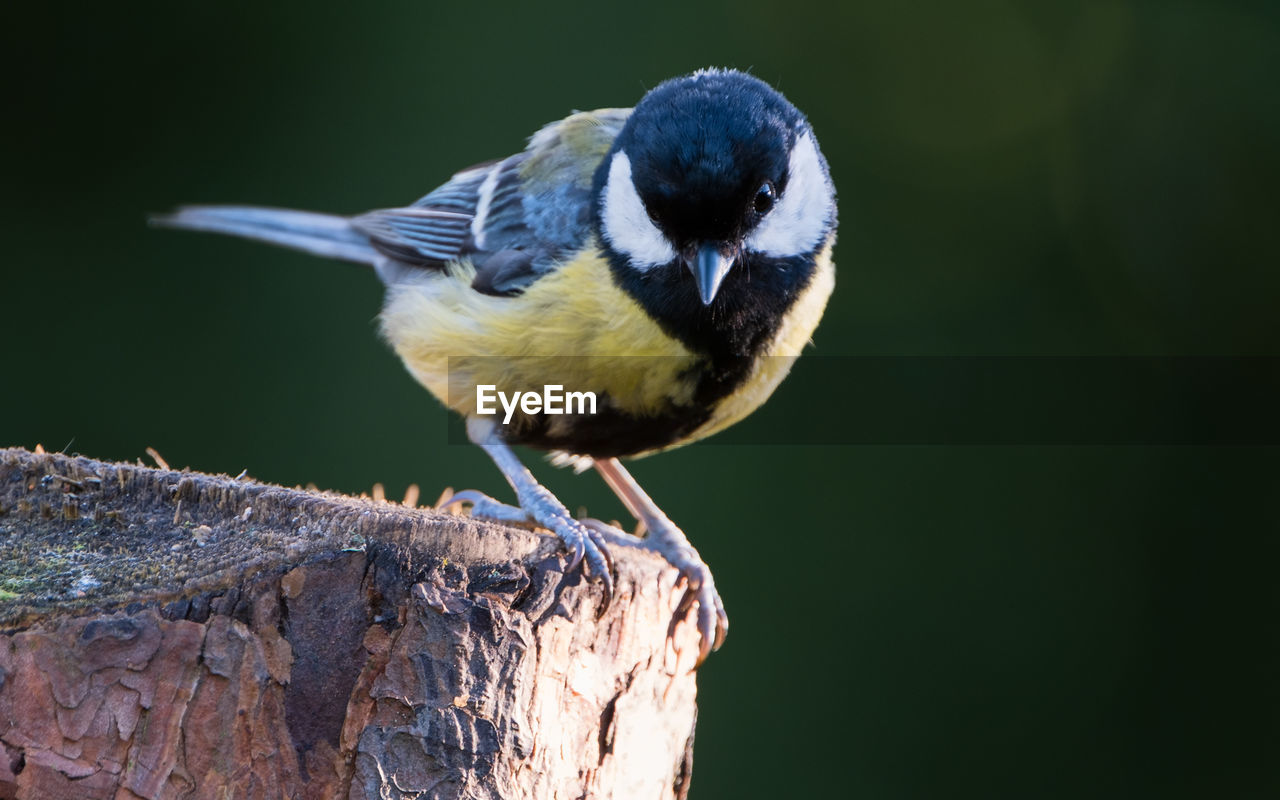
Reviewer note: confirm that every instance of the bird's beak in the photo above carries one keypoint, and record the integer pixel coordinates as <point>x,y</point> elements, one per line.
<point>709,266</point>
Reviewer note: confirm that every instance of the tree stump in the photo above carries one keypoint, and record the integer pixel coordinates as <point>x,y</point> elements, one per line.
<point>173,634</point>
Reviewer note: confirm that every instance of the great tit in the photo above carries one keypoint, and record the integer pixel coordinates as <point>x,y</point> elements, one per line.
<point>673,259</point>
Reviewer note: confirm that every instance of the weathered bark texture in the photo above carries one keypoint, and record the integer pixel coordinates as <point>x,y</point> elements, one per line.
<point>179,635</point>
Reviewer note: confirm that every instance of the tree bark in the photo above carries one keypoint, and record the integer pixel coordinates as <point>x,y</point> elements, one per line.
<point>173,634</point>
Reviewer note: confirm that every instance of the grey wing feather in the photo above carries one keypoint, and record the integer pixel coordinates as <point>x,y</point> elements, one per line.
<point>514,219</point>
<point>418,236</point>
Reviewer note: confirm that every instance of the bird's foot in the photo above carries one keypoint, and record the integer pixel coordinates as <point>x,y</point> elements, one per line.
<point>540,507</point>
<point>670,542</point>
<point>700,588</point>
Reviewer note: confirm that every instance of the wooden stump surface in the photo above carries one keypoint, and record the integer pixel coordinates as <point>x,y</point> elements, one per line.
<point>170,634</point>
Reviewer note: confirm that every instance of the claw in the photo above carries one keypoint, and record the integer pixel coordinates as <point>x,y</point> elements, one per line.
<point>712,622</point>
<point>577,548</point>
<point>598,540</point>
<point>605,572</point>
<point>465,496</point>
<point>682,610</point>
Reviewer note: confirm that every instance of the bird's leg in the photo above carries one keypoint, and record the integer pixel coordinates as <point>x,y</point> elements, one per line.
<point>665,538</point>
<point>537,505</point>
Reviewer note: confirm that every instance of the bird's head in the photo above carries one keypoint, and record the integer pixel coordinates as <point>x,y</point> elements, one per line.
<point>711,170</point>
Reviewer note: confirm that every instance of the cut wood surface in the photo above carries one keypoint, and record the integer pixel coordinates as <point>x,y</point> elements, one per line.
<point>169,634</point>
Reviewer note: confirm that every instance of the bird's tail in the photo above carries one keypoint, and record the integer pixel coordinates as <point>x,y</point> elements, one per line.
<point>323,235</point>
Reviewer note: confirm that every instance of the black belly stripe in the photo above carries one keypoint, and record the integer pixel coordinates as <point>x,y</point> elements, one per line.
<point>736,328</point>
<point>610,433</point>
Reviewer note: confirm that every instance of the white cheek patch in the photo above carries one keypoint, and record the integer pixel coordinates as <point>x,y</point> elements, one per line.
<point>626,223</point>
<point>797,223</point>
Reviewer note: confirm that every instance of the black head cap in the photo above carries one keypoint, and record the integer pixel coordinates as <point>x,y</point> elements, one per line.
<point>702,147</point>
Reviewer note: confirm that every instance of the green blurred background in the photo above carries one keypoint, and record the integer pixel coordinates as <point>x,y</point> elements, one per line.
<point>1094,178</point>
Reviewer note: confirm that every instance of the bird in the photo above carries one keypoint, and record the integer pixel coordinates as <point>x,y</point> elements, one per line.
<point>673,259</point>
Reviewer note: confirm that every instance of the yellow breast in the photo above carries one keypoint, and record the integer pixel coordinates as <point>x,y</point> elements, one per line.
<point>572,327</point>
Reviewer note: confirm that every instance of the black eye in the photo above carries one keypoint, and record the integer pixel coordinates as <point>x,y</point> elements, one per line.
<point>766,195</point>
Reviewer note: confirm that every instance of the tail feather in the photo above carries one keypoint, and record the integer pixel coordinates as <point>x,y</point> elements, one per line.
<point>324,235</point>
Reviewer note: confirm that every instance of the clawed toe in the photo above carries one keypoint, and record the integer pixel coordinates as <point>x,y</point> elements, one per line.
<point>482,505</point>
<point>611,533</point>
<point>602,566</point>
<point>712,621</point>
<point>585,545</point>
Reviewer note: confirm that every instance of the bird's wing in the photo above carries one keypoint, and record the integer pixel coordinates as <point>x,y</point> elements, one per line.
<point>513,219</point>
